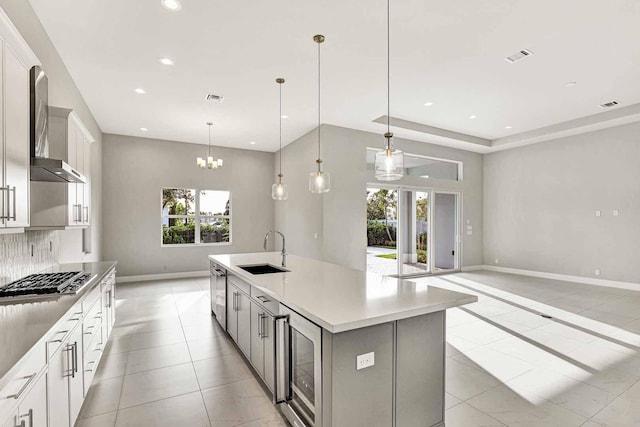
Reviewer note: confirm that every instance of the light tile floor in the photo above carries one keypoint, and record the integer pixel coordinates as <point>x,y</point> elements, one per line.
<point>168,363</point>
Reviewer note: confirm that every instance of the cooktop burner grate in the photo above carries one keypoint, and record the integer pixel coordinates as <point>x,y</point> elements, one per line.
<point>46,283</point>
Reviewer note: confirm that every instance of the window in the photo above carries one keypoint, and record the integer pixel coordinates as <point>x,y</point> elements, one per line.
<point>195,217</point>
<point>424,167</point>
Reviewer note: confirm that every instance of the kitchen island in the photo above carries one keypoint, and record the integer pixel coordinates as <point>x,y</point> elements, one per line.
<point>337,346</point>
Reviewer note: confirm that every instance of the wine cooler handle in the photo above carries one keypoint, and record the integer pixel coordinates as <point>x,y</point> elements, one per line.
<point>282,389</point>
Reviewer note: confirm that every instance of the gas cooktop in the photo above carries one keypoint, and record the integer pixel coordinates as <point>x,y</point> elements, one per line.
<point>46,284</point>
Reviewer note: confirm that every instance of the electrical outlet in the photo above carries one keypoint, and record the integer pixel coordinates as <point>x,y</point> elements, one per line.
<point>598,213</point>
<point>616,212</point>
<point>365,360</point>
<point>315,235</point>
<point>597,272</point>
<point>497,261</point>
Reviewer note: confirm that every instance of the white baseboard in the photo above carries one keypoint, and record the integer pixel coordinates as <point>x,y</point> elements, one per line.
<point>161,276</point>
<point>472,267</point>
<point>565,277</point>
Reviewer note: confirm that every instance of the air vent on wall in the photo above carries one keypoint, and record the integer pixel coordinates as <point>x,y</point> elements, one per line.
<point>217,98</point>
<point>609,104</point>
<point>519,56</point>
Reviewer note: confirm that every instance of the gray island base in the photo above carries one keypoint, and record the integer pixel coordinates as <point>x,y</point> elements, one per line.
<point>336,346</point>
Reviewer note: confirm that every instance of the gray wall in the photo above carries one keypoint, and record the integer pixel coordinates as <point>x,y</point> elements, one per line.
<point>135,171</point>
<point>540,204</point>
<point>339,216</point>
<point>63,93</point>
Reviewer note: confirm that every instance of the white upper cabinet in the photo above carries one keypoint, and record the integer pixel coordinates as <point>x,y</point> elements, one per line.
<point>16,60</point>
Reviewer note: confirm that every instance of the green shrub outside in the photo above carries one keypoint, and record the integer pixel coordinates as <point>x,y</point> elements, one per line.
<point>183,234</point>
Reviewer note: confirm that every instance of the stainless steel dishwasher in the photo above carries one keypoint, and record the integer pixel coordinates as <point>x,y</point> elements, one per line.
<point>218,289</point>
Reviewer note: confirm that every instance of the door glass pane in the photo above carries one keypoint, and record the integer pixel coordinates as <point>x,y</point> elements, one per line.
<point>382,223</point>
<point>302,374</point>
<point>444,231</point>
<point>214,230</point>
<point>415,208</point>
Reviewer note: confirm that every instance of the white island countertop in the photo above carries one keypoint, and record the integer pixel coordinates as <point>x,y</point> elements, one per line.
<point>338,298</point>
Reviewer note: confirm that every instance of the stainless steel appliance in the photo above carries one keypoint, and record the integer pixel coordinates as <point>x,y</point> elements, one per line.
<point>218,289</point>
<point>46,284</point>
<point>298,368</point>
<point>44,168</point>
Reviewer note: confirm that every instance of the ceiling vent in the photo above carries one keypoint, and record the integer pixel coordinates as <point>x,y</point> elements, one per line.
<point>518,56</point>
<point>609,104</point>
<point>216,98</point>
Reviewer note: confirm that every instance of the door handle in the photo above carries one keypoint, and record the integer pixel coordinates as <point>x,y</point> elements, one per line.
<point>259,324</point>
<point>281,386</point>
<point>5,203</point>
<point>14,216</point>
<point>28,415</point>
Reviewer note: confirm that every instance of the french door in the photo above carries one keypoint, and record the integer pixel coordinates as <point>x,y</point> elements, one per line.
<point>426,225</point>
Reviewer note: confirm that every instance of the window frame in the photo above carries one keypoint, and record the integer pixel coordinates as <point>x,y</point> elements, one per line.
<point>197,217</point>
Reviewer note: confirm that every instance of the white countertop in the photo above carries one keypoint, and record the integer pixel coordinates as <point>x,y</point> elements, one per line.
<point>339,298</point>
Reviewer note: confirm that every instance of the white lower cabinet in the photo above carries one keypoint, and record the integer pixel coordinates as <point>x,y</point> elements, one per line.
<point>66,391</point>
<point>32,411</point>
<point>239,318</point>
<point>262,343</point>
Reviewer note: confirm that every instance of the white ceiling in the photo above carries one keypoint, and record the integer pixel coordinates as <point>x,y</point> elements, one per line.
<point>450,53</point>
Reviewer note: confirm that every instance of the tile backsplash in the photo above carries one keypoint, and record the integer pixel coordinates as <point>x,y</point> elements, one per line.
<point>18,259</point>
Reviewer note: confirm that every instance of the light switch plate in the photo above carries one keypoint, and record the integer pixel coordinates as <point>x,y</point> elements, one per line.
<point>598,213</point>
<point>616,212</point>
<point>365,360</point>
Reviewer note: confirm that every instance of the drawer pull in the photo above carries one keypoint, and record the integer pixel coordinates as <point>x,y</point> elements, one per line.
<point>29,378</point>
<point>52,341</point>
<point>263,298</point>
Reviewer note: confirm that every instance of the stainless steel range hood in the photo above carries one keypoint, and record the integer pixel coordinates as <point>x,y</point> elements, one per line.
<point>42,167</point>
<point>53,170</point>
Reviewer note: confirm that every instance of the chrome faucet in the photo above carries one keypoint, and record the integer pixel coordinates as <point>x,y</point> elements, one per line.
<point>284,252</point>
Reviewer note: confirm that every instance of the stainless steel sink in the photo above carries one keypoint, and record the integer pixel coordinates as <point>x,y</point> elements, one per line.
<point>263,269</point>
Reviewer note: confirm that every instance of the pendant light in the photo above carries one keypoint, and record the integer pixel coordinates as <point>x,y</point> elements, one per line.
<point>319,181</point>
<point>209,162</point>
<point>279,190</point>
<point>389,164</point>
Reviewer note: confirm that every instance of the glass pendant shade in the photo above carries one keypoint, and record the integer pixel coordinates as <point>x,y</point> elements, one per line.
<point>201,162</point>
<point>319,182</point>
<point>279,191</point>
<point>389,165</point>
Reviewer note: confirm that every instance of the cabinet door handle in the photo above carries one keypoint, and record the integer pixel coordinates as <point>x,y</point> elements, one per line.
<point>28,415</point>
<point>259,324</point>
<point>29,378</point>
<point>5,203</point>
<point>264,326</point>
<point>14,216</point>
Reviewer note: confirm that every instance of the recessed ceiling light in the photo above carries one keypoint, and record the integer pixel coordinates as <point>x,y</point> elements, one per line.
<point>473,116</point>
<point>508,127</point>
<point>144,129</point>
<point>140,91</point>
<point>284,116</point>
<point>428,104</point>
<point>252,143</point>
<point>172,5</point>
<point>166,61</point>
<point>571,84</point>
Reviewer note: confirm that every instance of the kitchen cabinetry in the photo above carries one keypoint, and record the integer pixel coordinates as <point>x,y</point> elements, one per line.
<point>65,205</point>
<point>262,343</point>
<point>32,411</point>
<point>239,317</point>
<point>14,140</point>
<point>65,392</point>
